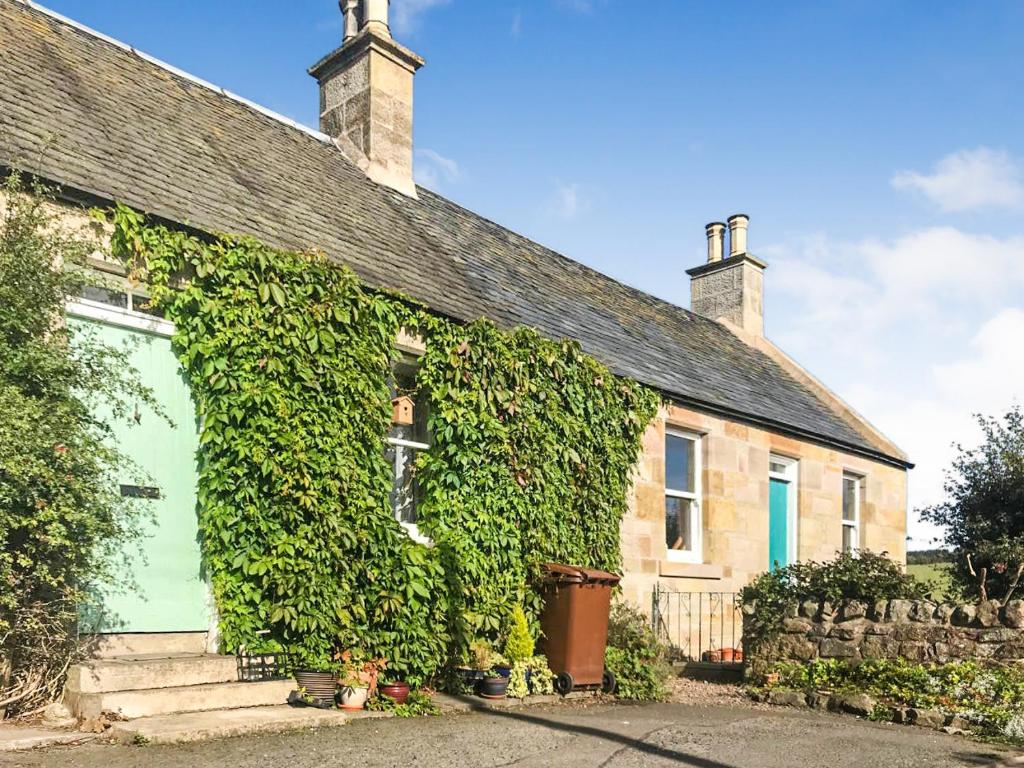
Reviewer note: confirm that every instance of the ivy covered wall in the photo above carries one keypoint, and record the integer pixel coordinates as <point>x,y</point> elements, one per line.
<point>289,358</point>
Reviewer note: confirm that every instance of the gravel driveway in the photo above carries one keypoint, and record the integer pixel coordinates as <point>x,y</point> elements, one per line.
<point>606,735</point>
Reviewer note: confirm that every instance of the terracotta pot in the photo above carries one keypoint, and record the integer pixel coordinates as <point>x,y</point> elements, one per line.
<point>397,692</point>
<point>494,687</point>
<point>354,698</point>
<point>317,683</point>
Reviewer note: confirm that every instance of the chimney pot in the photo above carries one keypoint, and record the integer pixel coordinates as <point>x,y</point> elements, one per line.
<point>375,16</point>
<point>738,233</point>
<point>350,10</point>
<point>716,241</point>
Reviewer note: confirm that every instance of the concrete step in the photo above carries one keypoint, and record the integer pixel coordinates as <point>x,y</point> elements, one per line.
<point>144,671</point>
<point>188,698</point>
<point>128,643</point>
<point>219,724</point>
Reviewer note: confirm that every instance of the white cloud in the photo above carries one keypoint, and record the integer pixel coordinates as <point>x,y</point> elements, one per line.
<point>969,179</point>
<point>568,201</point>
<point>516,30</point>
<point>919,333</point>
<point>433,170</point>
<point>405,13</point>
<point>580,6</point>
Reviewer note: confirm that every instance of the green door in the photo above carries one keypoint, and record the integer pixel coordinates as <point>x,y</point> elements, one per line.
<point>778,523</point>
<point>169,591</point>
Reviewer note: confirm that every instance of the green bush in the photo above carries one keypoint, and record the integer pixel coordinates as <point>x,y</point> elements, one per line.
<point>866,576</point>
<point>635,656</point>
<point>63,523</point>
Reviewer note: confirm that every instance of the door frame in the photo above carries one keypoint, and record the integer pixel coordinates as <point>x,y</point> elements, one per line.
<point>789,473</point>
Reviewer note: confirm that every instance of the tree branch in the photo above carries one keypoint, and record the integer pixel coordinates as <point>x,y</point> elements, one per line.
<point>982,590</point>
<point>1014,583</point>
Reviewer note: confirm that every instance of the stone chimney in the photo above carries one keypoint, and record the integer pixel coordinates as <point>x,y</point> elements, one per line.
<point>730,289</point>
<point>366,95</point>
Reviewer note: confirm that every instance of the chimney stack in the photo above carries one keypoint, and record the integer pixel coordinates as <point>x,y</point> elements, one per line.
<point>716,240</point>
<point>730,290</point>
<point>366,95</point>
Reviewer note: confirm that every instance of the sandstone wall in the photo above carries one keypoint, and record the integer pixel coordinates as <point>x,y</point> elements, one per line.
<point>734,506</point>
<point>916,630</point>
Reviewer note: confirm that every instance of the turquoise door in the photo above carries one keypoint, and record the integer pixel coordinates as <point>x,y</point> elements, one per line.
<point>778,523</point>
<point>169,591</point>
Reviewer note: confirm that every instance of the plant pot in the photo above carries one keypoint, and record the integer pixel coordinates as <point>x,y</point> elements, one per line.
<point>354,698</point>
<point>317,683</point>
<point>494,687</point>
<point>397,692</point>
<point>504,671</point>
<point>730,655</point>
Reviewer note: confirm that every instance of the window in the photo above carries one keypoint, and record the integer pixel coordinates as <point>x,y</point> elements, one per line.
<point>851,512</point>
<point>405,442</point>
<point>119,297</point>
<point>682,496</point>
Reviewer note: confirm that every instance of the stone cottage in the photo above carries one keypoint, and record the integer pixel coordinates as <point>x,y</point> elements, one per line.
<point>754,462</point>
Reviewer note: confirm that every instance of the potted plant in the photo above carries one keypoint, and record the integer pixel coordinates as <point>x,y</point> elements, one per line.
<point>316,676</point>
<point>358,679</point>
<point>397,691</point>
<point>494,685</point>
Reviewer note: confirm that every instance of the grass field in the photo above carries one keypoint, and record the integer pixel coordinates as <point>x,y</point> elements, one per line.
<point>935,572</point>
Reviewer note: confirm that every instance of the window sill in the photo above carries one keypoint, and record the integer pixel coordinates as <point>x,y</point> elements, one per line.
<point>673,569</point>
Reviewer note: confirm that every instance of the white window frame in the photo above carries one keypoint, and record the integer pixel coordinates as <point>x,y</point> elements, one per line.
<point>791,475</point>
<point>398,443</point>
<point>125,318</point>
<point>855,523</point>
<point>696,553</point>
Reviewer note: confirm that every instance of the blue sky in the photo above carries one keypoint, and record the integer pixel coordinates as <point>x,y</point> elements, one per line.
<point>878,147</point>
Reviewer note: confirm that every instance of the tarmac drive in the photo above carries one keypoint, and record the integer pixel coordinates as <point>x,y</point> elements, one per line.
<point>599,735</point>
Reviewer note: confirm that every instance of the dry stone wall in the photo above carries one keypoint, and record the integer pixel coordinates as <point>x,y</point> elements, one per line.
<point>916,630</point>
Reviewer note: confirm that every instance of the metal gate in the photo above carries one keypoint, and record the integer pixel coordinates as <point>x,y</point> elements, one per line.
<point>699,626</point>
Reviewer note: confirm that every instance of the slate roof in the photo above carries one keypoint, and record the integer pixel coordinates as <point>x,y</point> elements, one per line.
<point>98,117</point>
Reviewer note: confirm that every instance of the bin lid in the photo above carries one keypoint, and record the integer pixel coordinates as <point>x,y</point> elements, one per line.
<point>560,573</point>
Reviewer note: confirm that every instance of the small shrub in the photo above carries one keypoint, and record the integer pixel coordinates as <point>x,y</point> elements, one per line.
<point>635,656</point>
<point>519,642</point>
<point>541,678</point>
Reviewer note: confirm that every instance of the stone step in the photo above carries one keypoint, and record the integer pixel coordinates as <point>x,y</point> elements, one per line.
<point>144,671</point>
<point>188,698</point>
<point>128,643</point>
<point>222,723</point>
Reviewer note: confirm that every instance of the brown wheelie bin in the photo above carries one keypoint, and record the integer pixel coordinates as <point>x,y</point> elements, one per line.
<point>575,625</point>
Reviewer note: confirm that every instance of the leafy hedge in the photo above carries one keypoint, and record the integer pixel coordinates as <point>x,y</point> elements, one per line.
<point>289,359</point>
<point>866,576</point>
<point>990,698</point>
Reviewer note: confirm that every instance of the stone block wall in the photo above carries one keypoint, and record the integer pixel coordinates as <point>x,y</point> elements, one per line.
<point>916,630</point>
<point>734,506</point>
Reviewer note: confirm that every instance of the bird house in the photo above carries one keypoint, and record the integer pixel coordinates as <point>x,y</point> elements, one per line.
<point>402,410</point>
